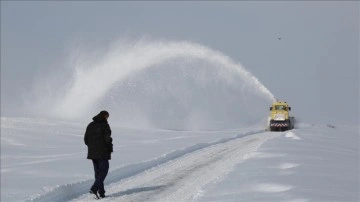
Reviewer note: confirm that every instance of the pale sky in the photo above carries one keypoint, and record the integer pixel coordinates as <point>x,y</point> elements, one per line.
<point>314,67</point>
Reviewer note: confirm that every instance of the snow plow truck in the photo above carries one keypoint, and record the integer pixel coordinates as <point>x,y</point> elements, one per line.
<point>280,119</point>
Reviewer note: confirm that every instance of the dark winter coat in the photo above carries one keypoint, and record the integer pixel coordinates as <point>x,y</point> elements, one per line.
<point>98,139</point>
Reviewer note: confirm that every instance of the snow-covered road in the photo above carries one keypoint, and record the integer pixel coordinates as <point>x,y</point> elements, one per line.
<point>183,178</point>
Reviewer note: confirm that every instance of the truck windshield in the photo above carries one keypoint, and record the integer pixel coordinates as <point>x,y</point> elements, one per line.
<point>280,107</point>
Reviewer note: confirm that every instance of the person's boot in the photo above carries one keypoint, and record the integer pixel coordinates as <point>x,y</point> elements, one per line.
<point>102,194</point>
<point>95,192</point>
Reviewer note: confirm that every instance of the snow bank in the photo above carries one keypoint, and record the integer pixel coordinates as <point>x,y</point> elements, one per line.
<point>318,163</point>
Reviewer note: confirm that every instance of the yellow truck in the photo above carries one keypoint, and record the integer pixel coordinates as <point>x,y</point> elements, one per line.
<point>280,119</point>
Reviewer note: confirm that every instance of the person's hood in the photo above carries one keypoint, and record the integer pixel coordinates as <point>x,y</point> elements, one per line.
<point>99,119</point>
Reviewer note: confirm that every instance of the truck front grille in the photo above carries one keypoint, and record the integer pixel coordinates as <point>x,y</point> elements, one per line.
<point>279,125</point>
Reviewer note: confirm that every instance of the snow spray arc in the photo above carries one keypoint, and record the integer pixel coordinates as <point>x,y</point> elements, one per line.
<point>164,84</point>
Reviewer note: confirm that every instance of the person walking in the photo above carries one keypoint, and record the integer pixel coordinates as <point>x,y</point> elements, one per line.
<point>99,142</point>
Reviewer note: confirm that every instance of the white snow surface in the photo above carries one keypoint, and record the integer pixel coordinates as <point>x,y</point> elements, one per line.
<point>45,160</point>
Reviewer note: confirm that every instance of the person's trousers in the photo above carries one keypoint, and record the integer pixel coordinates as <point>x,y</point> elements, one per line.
<point>101,168</point>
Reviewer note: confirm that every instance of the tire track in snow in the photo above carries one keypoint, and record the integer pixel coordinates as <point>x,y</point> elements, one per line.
<point>183,179</point>
<point>68,192</point>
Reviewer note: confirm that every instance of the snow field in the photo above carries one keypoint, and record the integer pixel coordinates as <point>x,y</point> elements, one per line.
<point>45,160</point>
